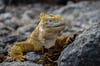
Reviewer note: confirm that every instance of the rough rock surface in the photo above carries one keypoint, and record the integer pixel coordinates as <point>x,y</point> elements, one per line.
<point>84,51</point>
<point>32,56</point>
<point>80,15</point>
<point>19,64</point>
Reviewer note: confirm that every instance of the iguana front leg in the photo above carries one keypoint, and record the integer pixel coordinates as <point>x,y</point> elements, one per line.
<point>19,48</point>
<point>16,53</point>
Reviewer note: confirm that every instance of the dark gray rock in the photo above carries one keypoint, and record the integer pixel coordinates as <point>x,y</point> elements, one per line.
<point>84,51</point>
<point>9,39</point>
<point>2,6</point>
<point>3,33</point>
<point>2,44</point>
<point>32,56</point>
<point>5,27</point>
<point>5,30</point>
<point>19,64</point>
<point>13,25</point>
<point>13,38</point>
<point>21,37</point>
<point>26,28</point>
<point>1,50</point>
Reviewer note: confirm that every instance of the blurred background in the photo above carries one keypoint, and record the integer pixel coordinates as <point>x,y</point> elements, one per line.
<point>18,18</point>
<point>16,2</point>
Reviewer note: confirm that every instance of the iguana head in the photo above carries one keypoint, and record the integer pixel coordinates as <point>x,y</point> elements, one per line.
<point>51,23</point>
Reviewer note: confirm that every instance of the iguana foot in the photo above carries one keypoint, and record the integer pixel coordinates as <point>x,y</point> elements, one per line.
<point>16,53</point>
<point>17,58</point>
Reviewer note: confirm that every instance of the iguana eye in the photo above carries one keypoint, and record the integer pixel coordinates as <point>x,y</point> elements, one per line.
<point>50,20</point>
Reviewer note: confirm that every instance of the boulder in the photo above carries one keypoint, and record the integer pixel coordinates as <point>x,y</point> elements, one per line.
<point>84,51</point>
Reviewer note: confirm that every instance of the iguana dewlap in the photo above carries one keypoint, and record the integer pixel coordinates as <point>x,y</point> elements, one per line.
<point>44,35</point>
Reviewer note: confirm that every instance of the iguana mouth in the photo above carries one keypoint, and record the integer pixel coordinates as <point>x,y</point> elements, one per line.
<point>55,25</point>
<point>59,25</point>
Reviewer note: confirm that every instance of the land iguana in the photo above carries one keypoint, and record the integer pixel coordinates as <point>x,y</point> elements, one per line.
<point>44,35</point>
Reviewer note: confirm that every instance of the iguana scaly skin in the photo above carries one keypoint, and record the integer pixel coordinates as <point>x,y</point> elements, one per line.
<point>44,35</point>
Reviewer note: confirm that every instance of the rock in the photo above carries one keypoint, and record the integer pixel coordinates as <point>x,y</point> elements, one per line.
<point>13,38</point>
<point>3,33</point>
<point>25,15</point>
<point>2,26</point>
<point>5,30</point>
<point>84,51</point>
<point>32,56</point>
<point>15,19</point>
<point>1,50</point>
<point>30,13</point>
<point>26,19</point>
<point>6,15</point>
<point>37,7</point>
<point>5,27</point>
<point>2,6</point>
<point>2,44</point>
<point>21,38</point>
<point>13,25</point>
<point>9,39</point>
<point>19,64</point>
<point>26,28</point>
<point>36,21</point>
